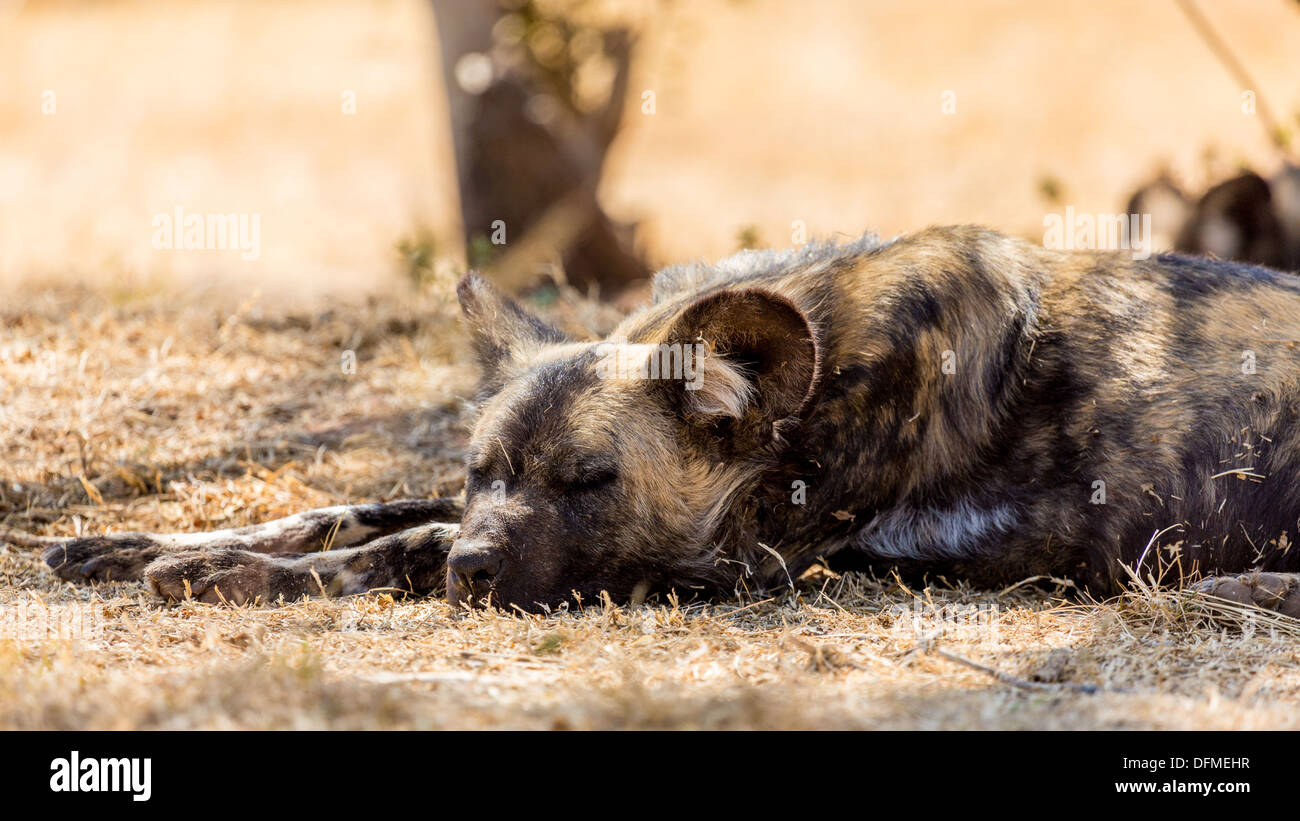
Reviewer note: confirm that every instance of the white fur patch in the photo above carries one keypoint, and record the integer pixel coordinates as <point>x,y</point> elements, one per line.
<point>715,387</point>
<point>934,533</point>
<point>724,389</point>
<point>345,530</point>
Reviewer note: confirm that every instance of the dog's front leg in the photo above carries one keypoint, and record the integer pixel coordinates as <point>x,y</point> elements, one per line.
<point>123,556</point>
<point>412,561</point>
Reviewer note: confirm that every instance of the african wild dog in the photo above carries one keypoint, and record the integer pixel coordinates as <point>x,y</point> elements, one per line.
<point>953,401</point>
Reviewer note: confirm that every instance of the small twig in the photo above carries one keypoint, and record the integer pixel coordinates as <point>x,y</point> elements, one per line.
<point>320,584</point>
<point>370,590</point>
<point>1147,549</point>
<point>1007,678</point>
<point>1059,582</point>
<point>507,455</point>
<point>1219,46</point>
<point>333,532</point>
<point>1247,472</point>
<point>781,561</point>
<point>746,607</point>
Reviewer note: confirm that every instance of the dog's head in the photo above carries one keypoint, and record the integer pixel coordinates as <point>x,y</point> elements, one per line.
<point>613,465</point>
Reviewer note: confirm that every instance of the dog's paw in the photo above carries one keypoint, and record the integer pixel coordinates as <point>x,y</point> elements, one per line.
<point>229,576</point>
<point>1271,591</point>
<point>119,557</point>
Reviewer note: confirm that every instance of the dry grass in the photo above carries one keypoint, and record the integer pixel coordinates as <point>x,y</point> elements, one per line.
<point>181,415</point>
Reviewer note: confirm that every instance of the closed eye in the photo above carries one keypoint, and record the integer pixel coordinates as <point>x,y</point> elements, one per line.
<point>593,477</point>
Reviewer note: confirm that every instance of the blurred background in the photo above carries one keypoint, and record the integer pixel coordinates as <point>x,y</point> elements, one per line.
<point>388,142</point>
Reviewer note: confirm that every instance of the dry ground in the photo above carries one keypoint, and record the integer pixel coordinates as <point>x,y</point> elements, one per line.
<point>163,411</point>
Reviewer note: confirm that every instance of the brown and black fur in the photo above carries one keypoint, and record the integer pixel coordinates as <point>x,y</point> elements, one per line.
<point>948,402</point>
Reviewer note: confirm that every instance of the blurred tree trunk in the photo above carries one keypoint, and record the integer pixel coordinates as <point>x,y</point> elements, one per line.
<point>528,163</point>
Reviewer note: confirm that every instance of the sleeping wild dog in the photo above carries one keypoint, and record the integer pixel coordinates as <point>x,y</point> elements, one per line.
<point>954,401</point>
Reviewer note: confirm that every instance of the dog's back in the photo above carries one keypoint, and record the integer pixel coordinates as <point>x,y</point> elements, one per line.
<point>996,409</point>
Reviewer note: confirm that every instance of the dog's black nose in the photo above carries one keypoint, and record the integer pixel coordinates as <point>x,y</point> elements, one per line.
<point>475,563</point>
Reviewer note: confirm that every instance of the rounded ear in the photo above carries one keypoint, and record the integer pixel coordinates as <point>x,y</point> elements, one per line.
<point>502,332</point>
<point>757,356</point>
